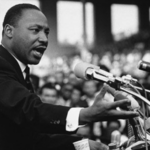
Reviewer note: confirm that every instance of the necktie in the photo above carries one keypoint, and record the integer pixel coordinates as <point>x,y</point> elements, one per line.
<point>27,79</point>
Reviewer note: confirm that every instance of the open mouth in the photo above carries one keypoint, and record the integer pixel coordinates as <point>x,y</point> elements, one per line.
<point>38,52</point>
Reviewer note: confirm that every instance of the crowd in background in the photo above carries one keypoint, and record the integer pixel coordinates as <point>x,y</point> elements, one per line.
<point>58,84</point>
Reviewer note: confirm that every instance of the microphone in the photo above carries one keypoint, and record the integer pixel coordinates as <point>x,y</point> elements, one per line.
<point>116,137</point>
<point>85,71</point>
<point>88,71</point>
<point>119,95</point>
<point>148,124</point>
<point>143,65</point>
<point>82,68</point>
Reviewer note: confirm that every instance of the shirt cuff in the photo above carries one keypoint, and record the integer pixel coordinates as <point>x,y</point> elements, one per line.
<point>72,120</point>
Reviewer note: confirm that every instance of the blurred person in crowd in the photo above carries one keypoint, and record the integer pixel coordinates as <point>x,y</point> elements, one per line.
<point>59,78</point>
<point>76,96</point>
<point>49,78</point>
<point>72,79</point>
<point>48,93</point>
<point>23,115</point>
<point>89,91</point>
<point>65,94</point>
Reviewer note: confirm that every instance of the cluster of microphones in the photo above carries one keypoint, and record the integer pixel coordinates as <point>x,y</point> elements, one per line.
<point>85,70</point>
<point>88,71</point>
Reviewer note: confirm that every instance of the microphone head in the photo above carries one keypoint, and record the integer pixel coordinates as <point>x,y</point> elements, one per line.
<point>81,68</point>
<point>116,137</point>
<point>120,95</point>
<point>143,65</point>
<point>147,124</point>
<point>139,64</point>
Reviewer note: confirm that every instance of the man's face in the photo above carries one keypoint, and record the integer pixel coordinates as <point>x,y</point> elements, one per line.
<point>76,95</point>
<point>30,37</point>
<point>49,96</point>
<point>89,88</point>
<point>67,91</point>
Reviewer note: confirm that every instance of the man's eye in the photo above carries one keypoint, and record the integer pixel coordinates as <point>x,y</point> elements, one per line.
<point>47,32</point>
<point>35,30</point>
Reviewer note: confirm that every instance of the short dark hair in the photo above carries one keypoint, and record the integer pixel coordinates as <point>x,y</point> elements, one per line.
<point>48,85</point>
<point>14,13</point>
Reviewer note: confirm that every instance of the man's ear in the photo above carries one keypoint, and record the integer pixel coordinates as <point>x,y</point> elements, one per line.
<point>8,30</point>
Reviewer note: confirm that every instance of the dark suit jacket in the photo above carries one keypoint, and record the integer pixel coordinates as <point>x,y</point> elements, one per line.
<point>22,114</point>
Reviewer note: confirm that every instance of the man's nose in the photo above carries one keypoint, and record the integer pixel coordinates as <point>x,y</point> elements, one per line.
<point>43,37</point>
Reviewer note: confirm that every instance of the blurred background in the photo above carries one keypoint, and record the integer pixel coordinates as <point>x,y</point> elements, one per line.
<point>108,33</point>
<point>111,33</point>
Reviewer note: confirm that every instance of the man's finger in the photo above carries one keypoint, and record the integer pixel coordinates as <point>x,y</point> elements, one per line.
<point>116,114</point>
<point>102,92</point>
<point>121,103</point>
<point>110,90</point>
<point>123,114</point>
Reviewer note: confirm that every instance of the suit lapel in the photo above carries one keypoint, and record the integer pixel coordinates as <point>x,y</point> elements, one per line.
<point>11,60</point>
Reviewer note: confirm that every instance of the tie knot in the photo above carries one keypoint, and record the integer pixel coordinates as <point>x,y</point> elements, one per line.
<point>27,79</point>
<point>27,70</point>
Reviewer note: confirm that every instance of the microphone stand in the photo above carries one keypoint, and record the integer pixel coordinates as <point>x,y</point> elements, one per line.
<point>141,135</point>
<point>136,95</point>
<point>148,91</point>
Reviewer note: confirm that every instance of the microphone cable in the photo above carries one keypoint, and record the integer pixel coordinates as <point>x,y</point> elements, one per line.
<point>144,112</point>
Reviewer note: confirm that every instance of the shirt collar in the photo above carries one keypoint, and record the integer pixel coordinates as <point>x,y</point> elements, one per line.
<point>22,66</point>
